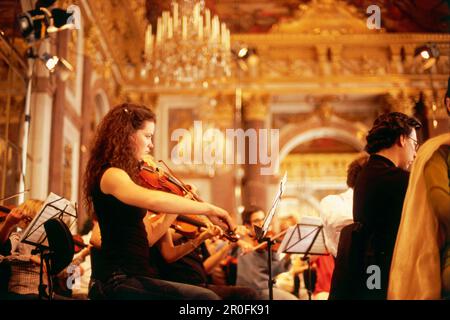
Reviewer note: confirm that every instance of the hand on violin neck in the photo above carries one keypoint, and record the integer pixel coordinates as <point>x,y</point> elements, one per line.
<point>220,217</point>
<point>242,230</point>
<point>211,232</point>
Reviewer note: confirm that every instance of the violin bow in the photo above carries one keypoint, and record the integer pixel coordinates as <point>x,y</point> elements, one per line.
<point>14,195</point>
<point>275,237</point>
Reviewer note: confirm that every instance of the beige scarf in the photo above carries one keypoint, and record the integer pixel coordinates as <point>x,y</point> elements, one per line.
<point>415,269</point>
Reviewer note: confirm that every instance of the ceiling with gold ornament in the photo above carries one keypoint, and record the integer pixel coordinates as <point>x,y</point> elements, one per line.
<point>260,16</point>
<point>289,55</point>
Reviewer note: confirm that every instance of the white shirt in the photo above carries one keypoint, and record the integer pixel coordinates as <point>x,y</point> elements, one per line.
<point>336,213</point>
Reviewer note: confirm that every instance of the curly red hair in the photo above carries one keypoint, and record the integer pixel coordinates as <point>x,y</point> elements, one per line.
<point>112,145</point>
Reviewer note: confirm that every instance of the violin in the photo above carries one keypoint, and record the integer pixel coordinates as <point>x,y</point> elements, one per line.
<point>275,238</point>
<point>154,178</point>
<point>4,211</point>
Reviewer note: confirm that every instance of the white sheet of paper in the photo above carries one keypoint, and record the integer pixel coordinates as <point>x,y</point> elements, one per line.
<point>298,238</point>
<point>35,232</point>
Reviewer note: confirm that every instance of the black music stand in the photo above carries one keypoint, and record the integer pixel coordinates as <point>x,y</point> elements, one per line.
<point>49,232</point>
<point>306,238</point>
<point>261,233</point>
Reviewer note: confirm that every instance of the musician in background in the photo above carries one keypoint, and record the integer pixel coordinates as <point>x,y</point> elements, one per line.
<point>252,269</point>
<point>336,211</point>
<point>113,192</point>
<point>24,277</point>
<point>190,261</point>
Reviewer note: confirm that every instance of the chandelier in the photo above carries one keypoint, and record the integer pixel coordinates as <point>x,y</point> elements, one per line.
<point>189,47</point>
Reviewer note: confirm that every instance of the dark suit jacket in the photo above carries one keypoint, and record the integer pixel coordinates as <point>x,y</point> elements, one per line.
<point>377,206</point>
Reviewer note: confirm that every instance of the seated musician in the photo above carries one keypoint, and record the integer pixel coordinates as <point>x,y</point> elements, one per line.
<point>181,260</point>
<point>24,267</point>
<point>189,261</point>
<point>113,191</point>
<point>252,268</point>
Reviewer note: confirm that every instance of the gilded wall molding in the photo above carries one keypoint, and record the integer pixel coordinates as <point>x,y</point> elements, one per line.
<point>255,107</point>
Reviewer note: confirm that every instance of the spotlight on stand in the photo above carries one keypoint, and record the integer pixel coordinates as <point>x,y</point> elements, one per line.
<point>59,20</point>
<point>243,53</point>
<point>427,55</point>
<point>38,23</point>
<point>25,22</point>
<point>54,63</point>
<point>33,24</point>
<point>44,3</point>
<point>246,57</point>
<point>50,61</point>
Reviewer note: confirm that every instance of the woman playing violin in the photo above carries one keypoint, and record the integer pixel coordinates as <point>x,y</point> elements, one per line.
<point>113,192</point>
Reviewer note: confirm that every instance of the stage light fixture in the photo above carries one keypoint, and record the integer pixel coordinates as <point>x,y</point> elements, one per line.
<point>427,55</point>
<point>44,3</point>
<point>50,61</point>
<point>59,20</point>
<point>55,63</point>
<point>36,24</point>
<point>243,52</point>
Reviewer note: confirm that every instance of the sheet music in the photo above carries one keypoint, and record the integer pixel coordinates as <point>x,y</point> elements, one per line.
<point>299,238</point>
<point>268,218</point>
<point>54,207</point>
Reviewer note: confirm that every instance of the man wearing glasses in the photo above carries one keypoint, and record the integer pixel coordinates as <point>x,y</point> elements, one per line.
<point>377,206</point>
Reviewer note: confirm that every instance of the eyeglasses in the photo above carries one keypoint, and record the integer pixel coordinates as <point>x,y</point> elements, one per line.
<point>416,143</point>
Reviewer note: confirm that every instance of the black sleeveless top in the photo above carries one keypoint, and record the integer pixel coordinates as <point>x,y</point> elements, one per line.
<point>124,238</point>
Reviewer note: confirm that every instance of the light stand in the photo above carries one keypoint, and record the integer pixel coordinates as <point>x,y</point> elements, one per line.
<point>308,261</point>
<point>26,129</point>
<point>44,254</point>
<point>271,282</point>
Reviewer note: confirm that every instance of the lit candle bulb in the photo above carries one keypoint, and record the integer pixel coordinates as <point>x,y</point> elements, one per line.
<point>175,16</point>
<point>223,34</point>
<point>159,31</point>
<point>196,13</point>
<point>148,41</point>
<point>184,28</point>
<point>215,29</point>
<point>207,22</point>
<point>170,28</point>
<point>165,23</point>
<point>200,30</point>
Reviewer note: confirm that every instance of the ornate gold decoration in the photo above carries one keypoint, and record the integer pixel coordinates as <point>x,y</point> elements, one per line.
<point>67,171</point>
<point>317,167</point>
<point>72,51</point>
<point>325,17</point>
<point>324,110</point>
<point>224,111</point>
<point>255,107</point>
<point>400,102</point>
